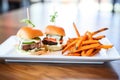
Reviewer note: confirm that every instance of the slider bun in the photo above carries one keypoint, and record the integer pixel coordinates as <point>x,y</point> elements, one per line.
<point>55,30</point>
<point>54,47</point>
<point>29,33</point>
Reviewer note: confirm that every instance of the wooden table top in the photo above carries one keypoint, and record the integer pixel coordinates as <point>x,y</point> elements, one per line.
<point>9,25</point>
<point>49,71</point>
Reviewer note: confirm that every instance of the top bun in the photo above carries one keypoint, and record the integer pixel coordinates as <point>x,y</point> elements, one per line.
<point>29,33</point>
<point>55,30</point>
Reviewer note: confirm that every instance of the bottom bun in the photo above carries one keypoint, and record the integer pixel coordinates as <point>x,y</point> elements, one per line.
<point>54,47</point>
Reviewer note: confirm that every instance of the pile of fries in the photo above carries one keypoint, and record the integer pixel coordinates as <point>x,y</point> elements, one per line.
<point>86,45</point>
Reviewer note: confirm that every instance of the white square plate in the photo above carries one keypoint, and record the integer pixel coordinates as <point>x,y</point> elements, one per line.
<point>9,53</point>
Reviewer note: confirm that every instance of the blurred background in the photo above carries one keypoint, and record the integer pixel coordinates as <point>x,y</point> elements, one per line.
<point>102,5</point>
<point>87,14</point>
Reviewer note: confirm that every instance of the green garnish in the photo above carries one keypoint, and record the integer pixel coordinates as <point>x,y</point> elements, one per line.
<point>53,17</point>
<point>28,22</point>
<point>28,42</point>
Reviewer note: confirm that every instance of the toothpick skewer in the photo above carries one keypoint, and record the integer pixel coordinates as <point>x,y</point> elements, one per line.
<point>76,30</point>
<point>28,14</point>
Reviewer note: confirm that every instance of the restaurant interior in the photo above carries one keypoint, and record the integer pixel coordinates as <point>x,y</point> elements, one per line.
<point>88,15</point>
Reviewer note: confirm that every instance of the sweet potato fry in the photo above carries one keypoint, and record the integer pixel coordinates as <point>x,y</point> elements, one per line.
<point>83,53</point>
<point>106,46</point>
<point>68,46</point>
<point>72,48</point>
<point>89,52</point>
<point>89,35</point>
<point>87,47</point>
<point>79,43</point>
<point>99,37</point>
<point>94,52</point>
<point>73,54</point>
<point>72,39</point>
<point>77,32</point>
<point>98,31</point>
<point>90,42</point>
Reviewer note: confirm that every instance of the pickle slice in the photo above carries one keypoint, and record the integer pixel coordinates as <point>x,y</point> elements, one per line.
<point>30,42</point>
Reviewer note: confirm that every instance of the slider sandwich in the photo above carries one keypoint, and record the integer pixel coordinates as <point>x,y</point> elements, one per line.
<point>54,37</point>
<point>29,39</point>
